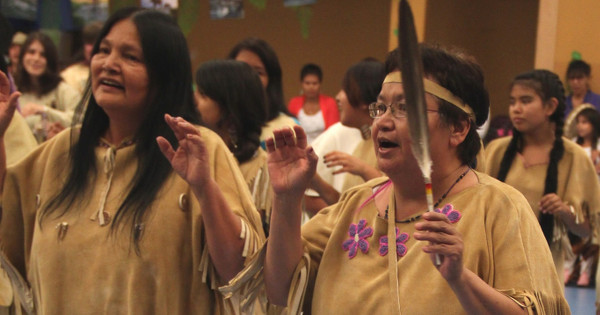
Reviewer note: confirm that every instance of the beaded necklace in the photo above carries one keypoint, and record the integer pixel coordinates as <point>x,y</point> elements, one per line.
<point>417,217</point>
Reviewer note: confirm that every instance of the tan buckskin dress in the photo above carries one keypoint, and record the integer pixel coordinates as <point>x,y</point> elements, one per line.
<point>577,185</point>
<point>76,266</point>
<point>503,246</point>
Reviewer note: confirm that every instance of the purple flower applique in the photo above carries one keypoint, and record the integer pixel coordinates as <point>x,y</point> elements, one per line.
<point>358,235</point>
<point>452,214</point>
<point>400,244</point>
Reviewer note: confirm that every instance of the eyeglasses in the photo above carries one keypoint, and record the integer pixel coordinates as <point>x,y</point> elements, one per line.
<point>376,110</point>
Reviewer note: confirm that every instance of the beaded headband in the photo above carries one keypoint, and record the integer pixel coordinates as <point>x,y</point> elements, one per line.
<point>436,90</point>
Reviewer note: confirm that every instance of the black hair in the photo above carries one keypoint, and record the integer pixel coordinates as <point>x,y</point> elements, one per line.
<point>168,65</point>
<point>237,90</point>
<point>311,68</point>
<point>362,82</point>
<point>460,74</point>
<point>50,79</point>
<point>593,117</point>
<point>578,68</point>
<point>547,85</point>
<point>3,65</point>
<point>269,59</point>
<point>6,33</point>
<point>90,32</point>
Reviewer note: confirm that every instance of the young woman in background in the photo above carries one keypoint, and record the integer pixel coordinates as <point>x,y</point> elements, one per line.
<point>553,173</point>
<point>232,103</point>
<point>45,97</point>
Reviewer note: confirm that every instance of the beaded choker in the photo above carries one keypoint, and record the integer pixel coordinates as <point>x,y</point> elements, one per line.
<point>417,217</point>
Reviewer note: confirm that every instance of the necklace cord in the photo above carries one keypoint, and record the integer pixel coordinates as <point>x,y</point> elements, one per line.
<point>415,218</point>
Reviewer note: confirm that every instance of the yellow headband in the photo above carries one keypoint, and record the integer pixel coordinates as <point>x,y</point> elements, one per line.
<point>434,89</point>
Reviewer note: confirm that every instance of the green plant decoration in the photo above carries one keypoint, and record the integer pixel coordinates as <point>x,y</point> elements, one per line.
<point>187,15</point>
<point>259,4</point>
<point>575,55</point>
<point>304,14</point>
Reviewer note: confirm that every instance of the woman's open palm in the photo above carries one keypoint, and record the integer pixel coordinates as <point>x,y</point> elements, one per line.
<point>8,103</point>
<point>190,160</point>
<point>291,163</point>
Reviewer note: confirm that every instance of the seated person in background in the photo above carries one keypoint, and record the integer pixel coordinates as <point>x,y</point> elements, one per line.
<point>46,98</point>
<point>315,111</point>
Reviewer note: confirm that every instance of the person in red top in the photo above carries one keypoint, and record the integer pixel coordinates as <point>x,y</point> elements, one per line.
<point>315,111</point>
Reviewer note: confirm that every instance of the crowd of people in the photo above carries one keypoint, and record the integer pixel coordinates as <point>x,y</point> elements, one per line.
<point>131,185</point>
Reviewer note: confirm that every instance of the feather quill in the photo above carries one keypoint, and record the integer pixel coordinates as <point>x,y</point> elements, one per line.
<point>414,94</point>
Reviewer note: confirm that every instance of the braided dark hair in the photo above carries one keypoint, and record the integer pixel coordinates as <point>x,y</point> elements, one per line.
<point>547,85</point>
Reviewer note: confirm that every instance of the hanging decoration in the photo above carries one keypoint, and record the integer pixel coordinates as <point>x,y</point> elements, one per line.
<point>259,4</point>
<point>166,6</point>
<point>86,12</point>
<point>19,9</point>
<point>187,15</point>
<point>304,14</point>
<point>230,9</point>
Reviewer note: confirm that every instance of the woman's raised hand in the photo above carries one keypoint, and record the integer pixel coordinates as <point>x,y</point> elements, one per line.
<point>190,160</point>
<point>292,163</point>
<point>350,164</point>
<point>8,103</point>
<point>347,162</point>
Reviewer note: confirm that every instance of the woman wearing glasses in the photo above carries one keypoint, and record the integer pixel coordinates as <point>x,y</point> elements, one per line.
<point>349,259</point>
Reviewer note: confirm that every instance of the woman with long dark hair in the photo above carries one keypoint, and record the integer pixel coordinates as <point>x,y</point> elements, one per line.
<point>97,220</point>
<point>45,97</point>
<point>553,173</point>
<point>232,102</point>
<point>259,55</point>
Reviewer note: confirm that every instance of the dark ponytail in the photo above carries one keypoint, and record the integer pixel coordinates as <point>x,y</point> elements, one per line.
<point>547,85</point>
